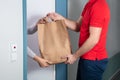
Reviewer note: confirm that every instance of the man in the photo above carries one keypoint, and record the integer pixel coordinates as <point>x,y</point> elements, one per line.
<point>93,27</point>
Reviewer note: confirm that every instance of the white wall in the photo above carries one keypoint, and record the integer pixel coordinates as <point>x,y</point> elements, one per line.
<point>11,32</point>
<point>37,9</point>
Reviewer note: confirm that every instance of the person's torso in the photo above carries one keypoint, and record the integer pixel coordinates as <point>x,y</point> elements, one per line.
<point>99,51</point>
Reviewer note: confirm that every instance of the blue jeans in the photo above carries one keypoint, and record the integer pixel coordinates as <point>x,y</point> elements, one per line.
<point>90,69</point>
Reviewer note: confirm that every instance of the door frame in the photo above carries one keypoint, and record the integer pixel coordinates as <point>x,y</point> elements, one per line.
<point>60,69</point>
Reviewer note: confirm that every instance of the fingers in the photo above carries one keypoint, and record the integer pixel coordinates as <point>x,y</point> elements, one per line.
<point>64,57</point>
<point>41,21</point>
<point>44,66</point>
<point>67,59</point>
<point>48,62</point>
<point>49,17</point>
<point>53,16</point>
<point>43,63</point>
<point>45,20</point>
<point>70,59</point>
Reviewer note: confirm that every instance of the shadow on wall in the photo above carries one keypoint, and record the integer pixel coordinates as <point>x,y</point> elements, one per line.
<point>112,67</point>
<point>113,44</point>
<point>118,20</point>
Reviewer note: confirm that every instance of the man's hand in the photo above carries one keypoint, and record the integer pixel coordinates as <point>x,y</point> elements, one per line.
<point>55,16</point>
<point>42,62</point>
<point>73,25</point>
<point>70,59</point>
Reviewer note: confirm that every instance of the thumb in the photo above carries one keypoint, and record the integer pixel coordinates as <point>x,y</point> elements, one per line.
<point>64,57</point>
<point>49,62</point>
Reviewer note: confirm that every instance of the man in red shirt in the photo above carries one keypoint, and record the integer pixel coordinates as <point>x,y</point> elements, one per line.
<point>93,26</point>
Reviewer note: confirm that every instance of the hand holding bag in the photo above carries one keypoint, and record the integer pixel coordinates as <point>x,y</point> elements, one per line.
<point>54,41</point>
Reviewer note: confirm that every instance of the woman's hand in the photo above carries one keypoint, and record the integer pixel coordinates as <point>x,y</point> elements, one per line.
<point>42,62</point>
<point>42,20</point>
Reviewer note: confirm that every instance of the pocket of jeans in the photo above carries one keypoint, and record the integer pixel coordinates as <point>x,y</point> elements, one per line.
<point>91,66</point>
<point>103,64</point>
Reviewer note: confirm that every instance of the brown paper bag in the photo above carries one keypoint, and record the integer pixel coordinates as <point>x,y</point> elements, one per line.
<point>54,41</point>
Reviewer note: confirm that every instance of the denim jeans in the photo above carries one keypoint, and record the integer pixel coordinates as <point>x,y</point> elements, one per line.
<point>91,69</point>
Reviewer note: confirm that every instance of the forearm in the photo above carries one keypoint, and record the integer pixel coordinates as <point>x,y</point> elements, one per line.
<point>32,29</point>
<point>73,25</point>
<point>30,53</point>
<point>92,40</point>
<point>87,46</point>
<point>37,58</point>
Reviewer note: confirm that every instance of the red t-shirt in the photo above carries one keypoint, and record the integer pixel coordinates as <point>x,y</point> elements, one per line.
<point>97,14</point>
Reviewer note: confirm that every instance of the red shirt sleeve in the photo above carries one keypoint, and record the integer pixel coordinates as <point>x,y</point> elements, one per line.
<point>83,12</point>
<point>97,16</point>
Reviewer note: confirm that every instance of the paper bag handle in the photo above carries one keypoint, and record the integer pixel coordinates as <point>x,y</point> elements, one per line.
<point>48,20</point>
